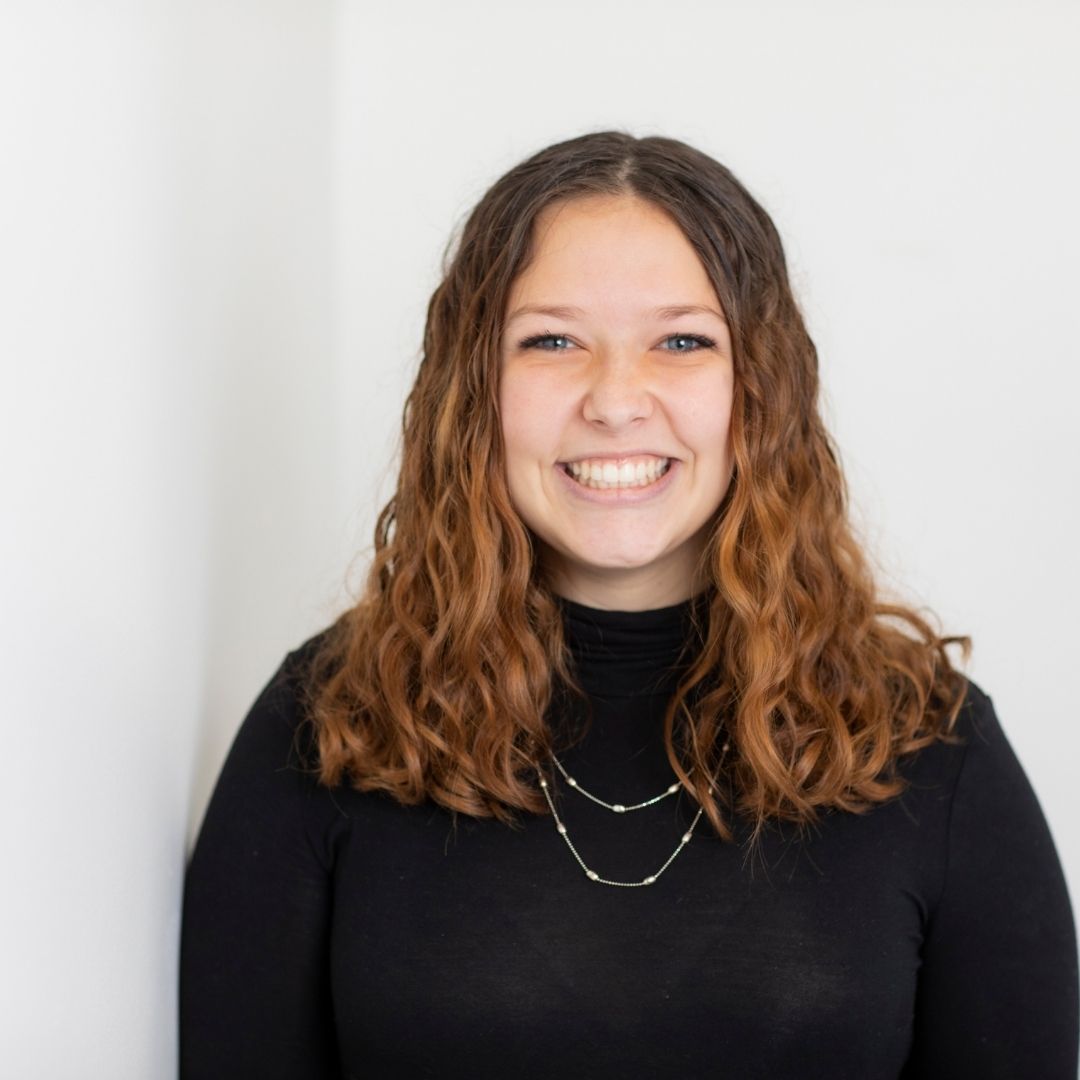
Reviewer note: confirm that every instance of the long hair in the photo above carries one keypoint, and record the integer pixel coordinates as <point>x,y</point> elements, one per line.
<point>436,684</point>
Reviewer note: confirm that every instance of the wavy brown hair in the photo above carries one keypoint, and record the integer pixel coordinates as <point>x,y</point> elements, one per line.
<point>437,683</point>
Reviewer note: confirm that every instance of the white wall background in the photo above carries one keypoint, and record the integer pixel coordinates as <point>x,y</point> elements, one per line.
<point>219,225</point>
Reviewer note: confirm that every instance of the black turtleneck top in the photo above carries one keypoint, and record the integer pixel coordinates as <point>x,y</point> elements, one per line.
<point>339,934</point>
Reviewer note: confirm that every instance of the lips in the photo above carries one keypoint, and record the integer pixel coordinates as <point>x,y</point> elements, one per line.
<point>620,473</point>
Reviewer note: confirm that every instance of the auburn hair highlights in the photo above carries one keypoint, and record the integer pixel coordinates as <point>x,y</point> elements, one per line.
<point>435,685</point>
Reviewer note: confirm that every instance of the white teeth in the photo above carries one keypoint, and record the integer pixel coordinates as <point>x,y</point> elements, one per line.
<point>604,475</point>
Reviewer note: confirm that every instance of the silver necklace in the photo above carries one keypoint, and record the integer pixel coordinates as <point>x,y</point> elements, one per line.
<point>618,808</point>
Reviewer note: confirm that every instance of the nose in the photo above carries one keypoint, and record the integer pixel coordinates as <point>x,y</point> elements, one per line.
<point>617,395</point>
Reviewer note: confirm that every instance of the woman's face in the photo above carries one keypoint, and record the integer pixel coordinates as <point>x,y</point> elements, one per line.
<point>616,366</point>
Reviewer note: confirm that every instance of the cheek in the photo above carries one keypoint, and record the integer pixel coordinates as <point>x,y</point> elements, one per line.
<point>707,419</point>
<point>528,417</point>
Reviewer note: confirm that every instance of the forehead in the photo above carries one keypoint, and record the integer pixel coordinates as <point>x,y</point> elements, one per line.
<point>595,245</point>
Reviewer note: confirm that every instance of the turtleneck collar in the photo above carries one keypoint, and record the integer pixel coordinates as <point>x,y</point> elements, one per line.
<point>630,653</point>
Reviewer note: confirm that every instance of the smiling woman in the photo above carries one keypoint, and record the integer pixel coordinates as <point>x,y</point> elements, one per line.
<point>621,765</point>
<point>616,409</point>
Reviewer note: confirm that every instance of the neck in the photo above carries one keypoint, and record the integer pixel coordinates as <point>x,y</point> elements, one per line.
<point>621,653</point>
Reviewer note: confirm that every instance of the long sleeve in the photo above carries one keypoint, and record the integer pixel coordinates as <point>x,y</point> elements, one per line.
<point>254,981</point>
<point>997,991</point>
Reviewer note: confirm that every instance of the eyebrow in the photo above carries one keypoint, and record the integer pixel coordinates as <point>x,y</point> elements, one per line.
<point>672,311</point>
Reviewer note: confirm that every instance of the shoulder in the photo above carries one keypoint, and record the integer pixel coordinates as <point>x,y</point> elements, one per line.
<point>267,806</point>
<point>982,747</point>
<point>977,720</point>
<point>976,730</point>
<point>274,734</point>
<point>990,780</point>
<point>986,800</point>
<point>973,766</point>
<point>292,679</point>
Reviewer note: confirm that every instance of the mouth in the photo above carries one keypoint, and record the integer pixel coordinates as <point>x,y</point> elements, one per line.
<point>613,475</point>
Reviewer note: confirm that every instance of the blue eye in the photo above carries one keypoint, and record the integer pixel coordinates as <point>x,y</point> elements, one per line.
<point>690,342</point>
<point>545,342</point>
<point>560,342</point>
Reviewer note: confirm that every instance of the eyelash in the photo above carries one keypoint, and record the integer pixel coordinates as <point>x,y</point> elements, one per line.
<point>699,340</point>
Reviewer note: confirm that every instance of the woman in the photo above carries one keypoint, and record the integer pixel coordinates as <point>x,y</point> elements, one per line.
<point>621,766</point>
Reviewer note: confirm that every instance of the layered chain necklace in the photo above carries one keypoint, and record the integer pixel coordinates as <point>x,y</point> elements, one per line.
<point>618,808</point>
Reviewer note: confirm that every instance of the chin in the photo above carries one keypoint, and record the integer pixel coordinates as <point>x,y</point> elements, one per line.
<point>603,561</point>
